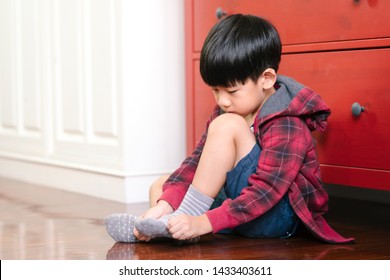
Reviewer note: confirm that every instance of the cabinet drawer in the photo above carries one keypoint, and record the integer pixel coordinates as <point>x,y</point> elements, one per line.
<point>343,78</point>
<point>302,21</point>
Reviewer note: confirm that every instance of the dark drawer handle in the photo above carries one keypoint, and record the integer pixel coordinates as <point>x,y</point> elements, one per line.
<point>220,13</point>
<point>357,109</point>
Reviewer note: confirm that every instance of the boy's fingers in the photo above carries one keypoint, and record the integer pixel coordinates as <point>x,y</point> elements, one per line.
<point>173,228</point>
<point>141,236</point>
<point>177,234</point>
<point>173,221</point>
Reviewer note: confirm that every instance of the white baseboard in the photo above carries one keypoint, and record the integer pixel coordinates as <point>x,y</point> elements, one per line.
<point>122,188</point>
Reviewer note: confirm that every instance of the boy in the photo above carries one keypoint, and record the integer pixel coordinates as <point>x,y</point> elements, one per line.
<point>255,166</point>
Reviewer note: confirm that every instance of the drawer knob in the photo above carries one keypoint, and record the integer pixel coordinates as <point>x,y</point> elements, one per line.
<point>220,13</point>
<point>357,109</point>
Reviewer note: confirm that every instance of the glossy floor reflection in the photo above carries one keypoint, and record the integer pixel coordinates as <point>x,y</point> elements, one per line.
<point>42,223</point>
<point>230,248</point>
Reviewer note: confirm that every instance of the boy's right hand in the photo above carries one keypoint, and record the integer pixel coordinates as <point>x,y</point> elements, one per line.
<point>162,208</point>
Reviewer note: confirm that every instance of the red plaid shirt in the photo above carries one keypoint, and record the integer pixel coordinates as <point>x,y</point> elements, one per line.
<point>287,164</point>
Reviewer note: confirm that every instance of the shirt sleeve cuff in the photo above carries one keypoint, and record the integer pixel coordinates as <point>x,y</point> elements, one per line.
<point>173,196</point>
<point>220,219</point>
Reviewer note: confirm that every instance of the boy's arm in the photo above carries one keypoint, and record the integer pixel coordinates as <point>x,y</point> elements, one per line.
<point>285,143</point>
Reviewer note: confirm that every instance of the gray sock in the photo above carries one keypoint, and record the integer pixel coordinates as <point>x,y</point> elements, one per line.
<point>120,227</point>
<point>194,203</point>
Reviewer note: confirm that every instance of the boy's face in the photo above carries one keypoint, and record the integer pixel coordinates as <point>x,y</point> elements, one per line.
<point>243,99</point>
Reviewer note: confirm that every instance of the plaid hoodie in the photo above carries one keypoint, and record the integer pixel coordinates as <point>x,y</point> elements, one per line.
<point>288,164</point>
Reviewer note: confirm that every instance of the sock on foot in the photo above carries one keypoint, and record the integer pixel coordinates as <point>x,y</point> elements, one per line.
<point>194,203</point>
<point>120,227</point>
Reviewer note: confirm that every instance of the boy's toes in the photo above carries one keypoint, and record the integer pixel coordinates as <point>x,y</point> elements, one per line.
<point>120,227</point>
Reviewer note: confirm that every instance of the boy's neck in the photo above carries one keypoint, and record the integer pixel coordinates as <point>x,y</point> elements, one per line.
<point>251,117</point>
<point>268,94</point>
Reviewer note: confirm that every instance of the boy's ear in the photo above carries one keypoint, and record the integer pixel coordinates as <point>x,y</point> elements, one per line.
<point>269,78</point>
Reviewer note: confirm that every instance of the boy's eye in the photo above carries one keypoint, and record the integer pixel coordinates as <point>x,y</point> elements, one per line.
<point>232,90</point>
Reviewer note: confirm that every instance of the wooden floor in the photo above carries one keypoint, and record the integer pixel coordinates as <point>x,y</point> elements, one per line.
<point>42,223</point>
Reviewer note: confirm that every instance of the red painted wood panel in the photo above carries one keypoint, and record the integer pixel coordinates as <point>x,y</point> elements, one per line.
<point>204,102</point>
<point>189,75</point>
<point>356,177</point>
<point>343,78</point>
<point>303,21</point>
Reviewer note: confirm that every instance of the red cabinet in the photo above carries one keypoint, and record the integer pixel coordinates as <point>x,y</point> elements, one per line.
<point>341,49</point>
<point>358,145</point>
<point>302,21</point>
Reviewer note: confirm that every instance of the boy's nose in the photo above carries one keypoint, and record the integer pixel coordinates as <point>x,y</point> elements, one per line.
<point>224,101</point>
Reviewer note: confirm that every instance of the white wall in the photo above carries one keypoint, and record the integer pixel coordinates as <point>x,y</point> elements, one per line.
<point>92,94</point>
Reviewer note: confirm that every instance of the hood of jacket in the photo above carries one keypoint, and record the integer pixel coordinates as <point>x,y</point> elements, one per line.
<point>294,99</point>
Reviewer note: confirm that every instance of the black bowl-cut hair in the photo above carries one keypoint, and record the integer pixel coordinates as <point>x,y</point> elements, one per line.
<point>238,48</point>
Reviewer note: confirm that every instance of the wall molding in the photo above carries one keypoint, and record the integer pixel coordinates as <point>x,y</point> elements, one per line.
<point>106,184</point>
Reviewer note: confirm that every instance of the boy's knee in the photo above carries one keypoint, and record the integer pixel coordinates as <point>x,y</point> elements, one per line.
<point>157,185</point>
<point>155,190</point>
<point>228,122</point>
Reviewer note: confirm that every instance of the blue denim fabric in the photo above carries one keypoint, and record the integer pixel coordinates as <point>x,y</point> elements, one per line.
<point>279,221</point>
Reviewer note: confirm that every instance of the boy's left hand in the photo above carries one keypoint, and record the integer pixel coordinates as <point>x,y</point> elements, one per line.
<point>184,227</point>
